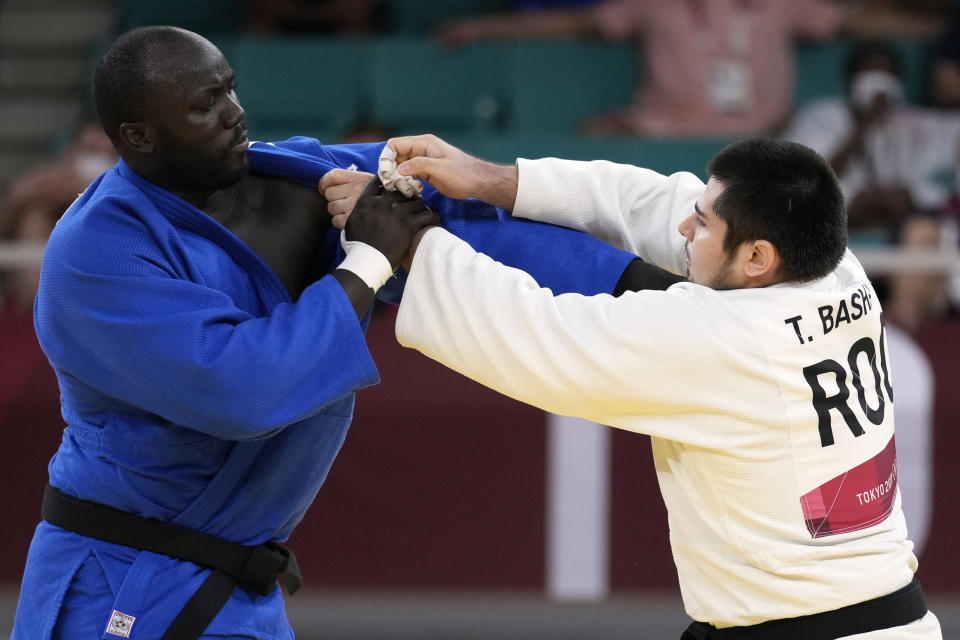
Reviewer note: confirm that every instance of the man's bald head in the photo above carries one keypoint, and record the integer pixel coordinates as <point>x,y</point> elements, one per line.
<point>140,63</point>
<point>167,99</point>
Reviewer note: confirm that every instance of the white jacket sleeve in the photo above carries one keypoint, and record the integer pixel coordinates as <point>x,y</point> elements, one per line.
<point>605,359</point>
<point>630,207</point>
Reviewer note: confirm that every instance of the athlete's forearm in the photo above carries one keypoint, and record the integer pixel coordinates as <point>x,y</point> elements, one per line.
<point>497,184</point>
<point>360,295</point>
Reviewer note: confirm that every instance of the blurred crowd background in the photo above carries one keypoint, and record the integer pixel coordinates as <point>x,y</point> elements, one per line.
<point>461,490</point>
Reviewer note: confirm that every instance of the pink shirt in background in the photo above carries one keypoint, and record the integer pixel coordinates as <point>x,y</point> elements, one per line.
<point>716,67</point>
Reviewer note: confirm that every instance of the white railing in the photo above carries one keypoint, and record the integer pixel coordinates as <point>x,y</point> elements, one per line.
<point>20,254</point>
<point>891,261</point>
<point>875,260</point>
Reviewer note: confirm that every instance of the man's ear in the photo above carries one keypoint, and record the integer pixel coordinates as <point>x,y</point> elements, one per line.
<point>138,136</point>
<point>763,263</point>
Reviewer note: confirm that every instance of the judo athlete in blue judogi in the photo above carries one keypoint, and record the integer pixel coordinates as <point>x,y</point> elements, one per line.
<point>207,332</point>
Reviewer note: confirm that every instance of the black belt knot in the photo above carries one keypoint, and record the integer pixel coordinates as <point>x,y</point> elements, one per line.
<point>266,562</point>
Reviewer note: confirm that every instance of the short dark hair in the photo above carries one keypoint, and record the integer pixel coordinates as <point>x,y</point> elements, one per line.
<point>865,50</point>
<point>122,83</point>
<point>787,194</point>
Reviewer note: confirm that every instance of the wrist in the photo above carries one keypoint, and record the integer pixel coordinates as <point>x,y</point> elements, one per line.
<point>498,185</point>
<point>414,246</point>
<point>366,262</point>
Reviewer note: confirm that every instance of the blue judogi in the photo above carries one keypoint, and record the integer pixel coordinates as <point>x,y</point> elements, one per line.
<point>196,392</point>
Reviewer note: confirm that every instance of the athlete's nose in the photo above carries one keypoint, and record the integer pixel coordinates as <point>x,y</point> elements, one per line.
<point>234,112</point>
<point>687,227</point>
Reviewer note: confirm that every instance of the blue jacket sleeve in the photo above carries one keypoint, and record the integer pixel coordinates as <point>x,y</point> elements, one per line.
<point>561,259</point>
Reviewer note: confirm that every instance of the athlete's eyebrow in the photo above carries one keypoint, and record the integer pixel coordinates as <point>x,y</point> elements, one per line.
<point>700,214</point>
<point>227,79</point>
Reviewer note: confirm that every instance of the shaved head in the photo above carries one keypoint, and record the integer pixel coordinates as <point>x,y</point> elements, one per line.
<point>138,65</point>
<point>166,97</point>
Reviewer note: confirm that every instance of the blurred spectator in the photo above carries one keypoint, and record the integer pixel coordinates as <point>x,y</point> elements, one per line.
<point>29,397</point>
<point>303,16</point>
<point>713,67</point>
<point>945,68</point>
<point>31,207</point>
<point>30,420</point>
<point>893,159</point>
<point>916,298</point>
<point>897,166</point>
<point>52,186</point>
<point>945,95</point>
<point>28,212</point>
<point>531,5</point>
<point>27,215</point>
<point>88,154</point>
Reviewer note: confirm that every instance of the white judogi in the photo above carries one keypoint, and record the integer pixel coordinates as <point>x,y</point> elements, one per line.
<point>770,409</point>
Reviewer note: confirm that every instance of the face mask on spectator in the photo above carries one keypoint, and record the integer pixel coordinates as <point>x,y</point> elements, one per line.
<point>867,85</point>
<point>91,164</point>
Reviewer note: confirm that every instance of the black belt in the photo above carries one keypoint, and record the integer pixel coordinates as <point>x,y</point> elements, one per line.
<point>896,609</point>
<point>255,568</point>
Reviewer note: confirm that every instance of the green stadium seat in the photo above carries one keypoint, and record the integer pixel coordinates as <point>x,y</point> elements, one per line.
<point>870,238</point>
<point>507,148</point>
<point>915,54</point>
<point>820,70</point>
<point>326,136</point>
<point>203,16</point>
<point>423,17</point>
<point>558,83</point>
<point>419,86</point>
<point>300,86</point>
<point>672,155</point>
<point>662,155</point>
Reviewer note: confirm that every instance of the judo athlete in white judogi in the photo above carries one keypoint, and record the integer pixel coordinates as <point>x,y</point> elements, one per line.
<point>764,381</point>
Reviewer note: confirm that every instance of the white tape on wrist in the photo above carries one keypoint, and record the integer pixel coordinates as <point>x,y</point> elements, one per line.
<point>393,181</point>
<point>367,263</point>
